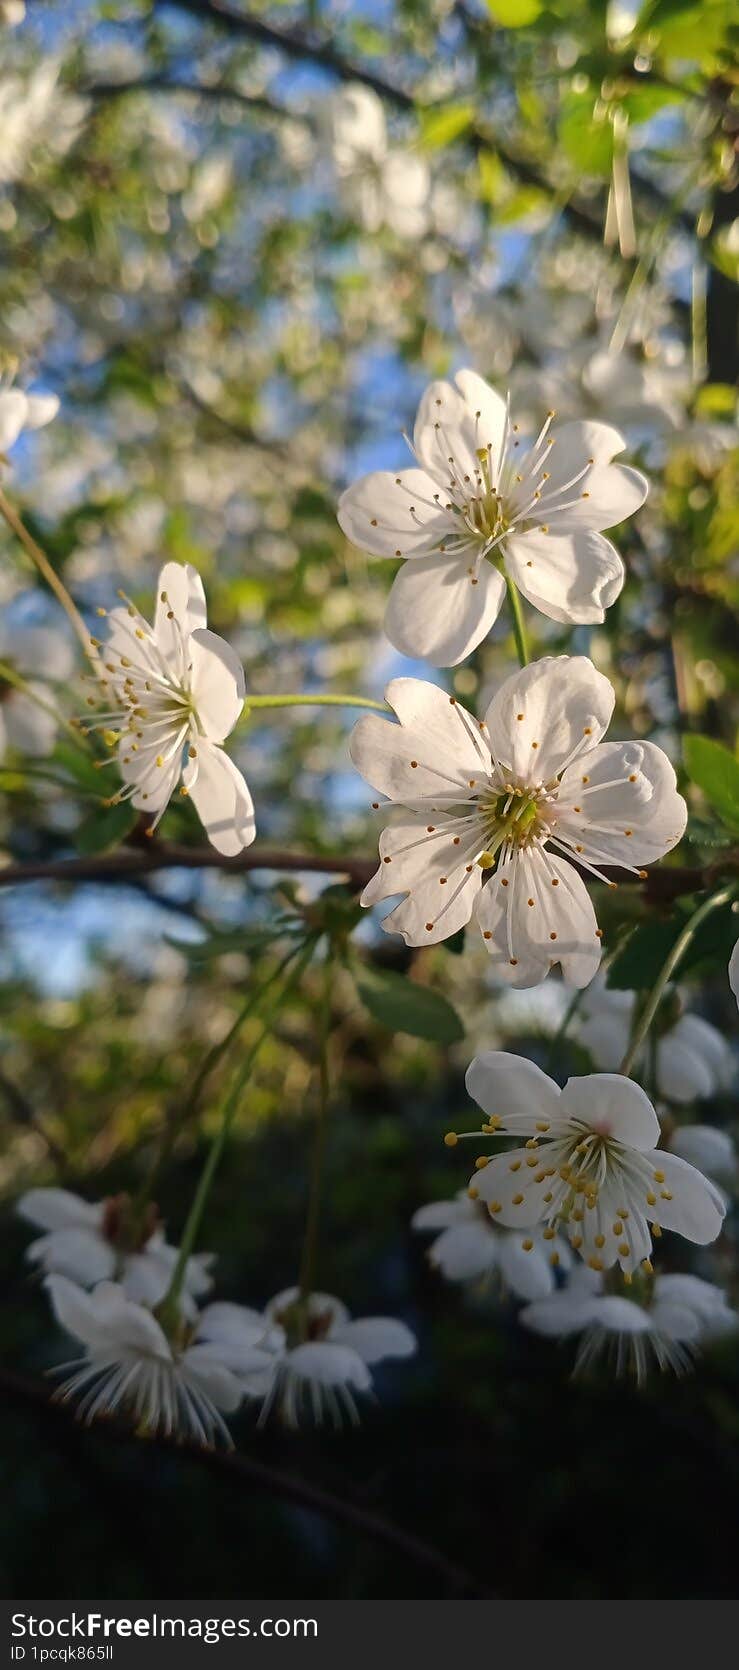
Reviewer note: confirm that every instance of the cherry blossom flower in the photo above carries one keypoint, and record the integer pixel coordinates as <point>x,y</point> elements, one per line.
<point>471,1247</point>
<point>381,185</point>
<point>27,717</point>
<point>672,1317</point>
<point>709,1149</point>
<point>317,1358</point>
<point>482,506</point>
<point>179,690</point>
<point>19,411</point>
<point>692,1059</point>
<point>89,1242</point>
<point>529,787</point>
<point>588,1165</point>
<point>181,1386</point>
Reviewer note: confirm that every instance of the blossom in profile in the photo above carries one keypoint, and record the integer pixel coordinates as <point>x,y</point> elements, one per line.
<point>692,1058</point>
<point>734,971</point>
<point>710,1149</point>
<point>319,1359</point>
<point>19,411</point>
<point>28,720</point>
<point>380,184</point>
<point>519,794</point>
<point>471,1248</point>
<point>131,1366</point>
<point>588,1165</point>
<point>106,1240</point>
<point>176,690</point>
<point>483,505</point>
<point>671,1319</point>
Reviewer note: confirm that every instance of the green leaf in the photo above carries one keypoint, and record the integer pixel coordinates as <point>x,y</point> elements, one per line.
<point>514,14</point>
<point>494,181</point>
<point>441,127</point>
<point>588,142</point>
<point>400,1005</point>
<point>716,400</point>
<point>636,967</point>
<point>716,772</point>
<point>105,828</point>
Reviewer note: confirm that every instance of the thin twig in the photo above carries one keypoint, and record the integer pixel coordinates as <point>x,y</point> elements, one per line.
<point>243,1471</point>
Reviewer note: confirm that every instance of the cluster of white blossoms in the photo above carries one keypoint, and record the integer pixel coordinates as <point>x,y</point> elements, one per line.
<point>501,819</point>
<point>107,1271</point>
<point>380,184</point>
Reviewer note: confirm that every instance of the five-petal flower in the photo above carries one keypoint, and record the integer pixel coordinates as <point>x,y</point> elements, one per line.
<point>483,505</point>
<point>588,1165</point>
<point>470,1247</point>
<point>180,689</point>
<point>316,1357</point>
<point>529,787</point>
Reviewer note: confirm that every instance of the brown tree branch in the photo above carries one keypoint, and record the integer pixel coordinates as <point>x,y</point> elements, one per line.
<point>243,1471</point>
<point>143,858</point>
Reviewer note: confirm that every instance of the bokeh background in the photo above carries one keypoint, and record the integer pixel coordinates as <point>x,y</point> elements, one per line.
<point>238,284</point>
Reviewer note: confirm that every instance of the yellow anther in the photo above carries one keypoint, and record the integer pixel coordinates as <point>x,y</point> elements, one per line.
<point>451,1139</point>
<point>494,1207</point>
<point>565,1173</point>
<point>618,1228</point>
<point>532,1143</point>
<point>486,860</point>
<point>528,1246</point>
<point>517,1200</point>
<point>665,1194</point>
<point>481,1162</point>
<point>656,1231</point>
<point>516,1166</point>
<point>595,1263</point>
<point>659,1177</point>
<point>549,1234</point>
<point>624,1249</point>
<point>627,1277</point>
<point>554,1258</point>
<point>548,1197</point>
<point>651,1199</point>
<point>533,1160</point>
<point>543,1125</point>
<point>493,1124</point>
<point>648,1267</point>
<point>576,1242</point>
<point>472,1192</point>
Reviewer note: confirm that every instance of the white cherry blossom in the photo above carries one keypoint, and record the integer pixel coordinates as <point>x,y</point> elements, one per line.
<point>588,1165</point>
<point>528,788</point>
<point>316,1358</point>
<point>692,1058</point>
<point>27,717</point>
<point>670,1319</point>
<point>130,1365</point>
<point>179,690</point>
<point>93,1241</point>
<point>471,1248</point>
<point>708,1148</point>
<point>483,505</point>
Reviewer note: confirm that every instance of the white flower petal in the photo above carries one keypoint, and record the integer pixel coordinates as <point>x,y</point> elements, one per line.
<point>330,1365</point>
<point>695,1209</point>
<point>562,699</point>
<point>375,1337</point>
<point>179,592</point>
<point>693,1060</point>
<point>40,410</point>
<point>202,1368</point>
<point>509,1185</point>
<point>439,612</point>
<point>528,1274</point>
<point>443,1214</point>
<point>572,578</point>
<point>605,495</point>
<point>614,1107</point>
<point>30,728</point>
<point>458,424</point>
<point>516,1091</point>
<point>707,1148</point>
<point>217,683</point>
<point>637,818</point>
<point>13,412</point>
<point>562,1314</point>
<point>734,971</point>
<point>221,799</point>
<point>465,1250</point>
<point>421,759</point>
<point>80,1254</point>
<point>394,515</point>
<point>59,1209</point>
<point>438,906</point>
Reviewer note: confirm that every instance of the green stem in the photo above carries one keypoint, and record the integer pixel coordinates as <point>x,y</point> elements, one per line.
<point>519,628</point>
<point>168,1311</point>
<point>180,1116</point>
<point>669,967</point>
<point>314,701</point>
<point>44,567</point>
<point>9,675</point>
<point>313,1214</point>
